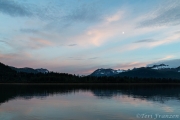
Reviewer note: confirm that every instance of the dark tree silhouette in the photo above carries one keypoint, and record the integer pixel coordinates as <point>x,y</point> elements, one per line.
<point>7,75</point>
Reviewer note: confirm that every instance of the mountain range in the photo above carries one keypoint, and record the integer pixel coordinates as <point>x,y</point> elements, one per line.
<point>155,71</point>
<point>30,70</point>
<point>106,72</point>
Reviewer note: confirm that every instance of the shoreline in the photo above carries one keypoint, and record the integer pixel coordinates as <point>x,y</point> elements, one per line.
<point>85,84</point>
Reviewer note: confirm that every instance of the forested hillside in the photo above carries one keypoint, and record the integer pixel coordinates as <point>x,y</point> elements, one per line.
<point>8,75</point>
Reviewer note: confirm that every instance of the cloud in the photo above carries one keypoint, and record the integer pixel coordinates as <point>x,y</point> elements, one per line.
<point>117,16</point>
<point>145,40</point>
<point>29,30</point>
<point>147,44</point>
<point>164,16</point>
<point>25,9</point>
<point>83,13</point>
<point>167,57</point>
<point>95,33</point>
<point>24,43</point>
<point>177,32</point>
<point>19,59</point>
<point>103,31</point>
<point>93,58</point>
<point>12,8</point>
<point>167,40</point>
<point>78,59</point>
<point>72,45</point>
<point>172,63</point>
<point>39,43</point>
<point>2,41</point>
<point>130,65</point>
<point>10,56</point>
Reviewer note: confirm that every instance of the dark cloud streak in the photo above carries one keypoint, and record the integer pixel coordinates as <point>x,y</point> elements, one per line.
<point>144,40</point>
<point>84,13</point>
<point>177,32</point>
<point>29,30</point>
<point>169,15</point>
<point>72,45</point>
<point>15,9</point>
<point>12,8</point>
<point>93,58</point>
<point>2,41</point>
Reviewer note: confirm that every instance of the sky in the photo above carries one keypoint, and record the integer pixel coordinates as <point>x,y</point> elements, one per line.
<point>80,36</point>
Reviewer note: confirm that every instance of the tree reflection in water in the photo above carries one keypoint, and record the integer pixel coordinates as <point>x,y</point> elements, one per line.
<point>160,93</point>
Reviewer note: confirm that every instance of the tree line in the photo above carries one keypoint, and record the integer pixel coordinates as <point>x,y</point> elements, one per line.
<point>52,77</point>
<point>7,75</point>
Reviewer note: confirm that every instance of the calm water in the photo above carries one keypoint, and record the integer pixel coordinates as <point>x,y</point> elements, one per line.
<point>89,103</point>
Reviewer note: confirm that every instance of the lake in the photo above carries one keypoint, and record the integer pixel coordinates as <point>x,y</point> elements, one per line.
<point>93,102</point>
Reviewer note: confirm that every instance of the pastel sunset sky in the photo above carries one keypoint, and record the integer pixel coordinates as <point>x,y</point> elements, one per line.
<point>80,36</point>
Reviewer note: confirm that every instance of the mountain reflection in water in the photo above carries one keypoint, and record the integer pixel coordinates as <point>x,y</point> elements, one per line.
<point>60,102</point>
<point>158,93</point>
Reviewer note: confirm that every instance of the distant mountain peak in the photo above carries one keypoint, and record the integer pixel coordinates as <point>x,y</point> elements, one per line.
<point>106,72</point>
<point>30,70</point>
<point>42,70</point>
<point>160,66</point>
<point>174,63</point>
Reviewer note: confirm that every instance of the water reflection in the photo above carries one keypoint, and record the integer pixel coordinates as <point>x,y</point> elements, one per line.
<point>19,102</point>
<point>154,92</point>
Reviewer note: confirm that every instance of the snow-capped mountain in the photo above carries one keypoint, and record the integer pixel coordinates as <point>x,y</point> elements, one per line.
<point>41,70</point>
<point>171,63</point>
<point>163,67</point>
<point>178,69</point>
<point>155,71</point>
<point>106,72</point>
